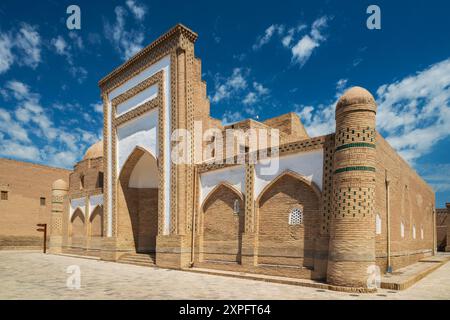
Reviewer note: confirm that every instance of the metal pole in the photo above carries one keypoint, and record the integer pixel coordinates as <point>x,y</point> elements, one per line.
<point>45,238</point>
<point>43,228</point>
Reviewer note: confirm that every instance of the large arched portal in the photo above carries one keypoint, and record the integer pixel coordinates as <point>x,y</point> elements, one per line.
<point>288,221</point>
<point>137,202</point>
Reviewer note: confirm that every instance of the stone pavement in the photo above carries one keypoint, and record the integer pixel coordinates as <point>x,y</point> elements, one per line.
<point>32,275</point>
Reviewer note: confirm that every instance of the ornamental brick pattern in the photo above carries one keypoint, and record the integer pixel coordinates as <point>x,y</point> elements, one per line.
<point>371,209</point>
<point>352,238</point>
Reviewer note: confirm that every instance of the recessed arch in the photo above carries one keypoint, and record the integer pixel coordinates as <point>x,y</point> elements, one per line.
<point>96,221</point>
<point>222,185</point>
<point>294,175</point>
<point>134,156</point>
<point>78,222</point>
<point>137,203</point>
<point>222,224</point>
<point>280,241</point>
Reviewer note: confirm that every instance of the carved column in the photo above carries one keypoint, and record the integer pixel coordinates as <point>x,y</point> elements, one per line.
<point>248,252</point>
<point>59,192</point>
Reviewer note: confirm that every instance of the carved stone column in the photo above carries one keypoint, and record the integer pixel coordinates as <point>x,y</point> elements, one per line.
<point>59,192</point>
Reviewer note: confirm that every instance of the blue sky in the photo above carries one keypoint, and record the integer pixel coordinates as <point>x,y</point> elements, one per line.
<point>260,60</point>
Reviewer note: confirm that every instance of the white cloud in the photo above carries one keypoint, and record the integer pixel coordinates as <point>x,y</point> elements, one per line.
<point>61,46</point>
<point>306,113</point>
<point>138,10</point>
<point>231,117</point>
<point>437,175</point>
<point>303,49</point>
<point>78,73</point>
<point>22,47</point>
<point>6,56</point>
<point>230,86</point>
<point>254,96</point>
<point>289,36</point>
<point>321,120</point>
<point>250,98</point>
<point>19,89</point>
<point>76,40</point>
<point>9,148</point>
<point>268,34</point>
<point>413,113</point>
<point>317,120</point>
<point>126,43</point>
<point>341,85</point>
<point>9,127</point>
<point>29,125</point>
<point>98,107</point>
<point>28,41</point>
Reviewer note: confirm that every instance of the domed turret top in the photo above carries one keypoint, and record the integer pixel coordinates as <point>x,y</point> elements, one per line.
<point>59,185</point>
<point>354,96</point>
<point>94,151</point>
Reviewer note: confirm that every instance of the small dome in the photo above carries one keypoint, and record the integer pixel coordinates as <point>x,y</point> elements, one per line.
<point>355,95</point>
<point>94,151</point>
<point>59,185</point>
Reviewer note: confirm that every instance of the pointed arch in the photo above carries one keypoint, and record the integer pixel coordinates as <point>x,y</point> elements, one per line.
<point>78,222</point>
<point>294,175</point>
<point>282,240</point>
<point>96,221</point>
<point>132,160</point>
<point>137,201</point>
<point>217,187</point>
<point>222,224</point>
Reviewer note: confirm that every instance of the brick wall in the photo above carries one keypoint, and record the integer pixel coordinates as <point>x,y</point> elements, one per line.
<point>280,243</point>
<point>411,201</point>
<point>222,227</point>
<point>25,183</point>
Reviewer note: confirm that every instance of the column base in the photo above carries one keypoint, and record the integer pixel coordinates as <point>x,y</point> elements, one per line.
<point>249,254</point>
<point>173,251</point>
<point>113,248</point>
<point>55,244</point>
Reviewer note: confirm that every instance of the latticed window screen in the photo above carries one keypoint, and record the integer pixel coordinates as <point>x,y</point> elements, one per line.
<point>296,216</point>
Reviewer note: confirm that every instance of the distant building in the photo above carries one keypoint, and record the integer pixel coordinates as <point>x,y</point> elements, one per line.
<point>25,200</point>
<point>443,228</point>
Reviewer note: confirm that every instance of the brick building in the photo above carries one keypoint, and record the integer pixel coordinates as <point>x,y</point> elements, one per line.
<point>328,208</point>
<point>443,228</point>
<point>25,201</point>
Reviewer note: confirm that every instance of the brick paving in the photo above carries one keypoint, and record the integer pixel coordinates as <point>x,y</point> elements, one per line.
<point>32,275</point>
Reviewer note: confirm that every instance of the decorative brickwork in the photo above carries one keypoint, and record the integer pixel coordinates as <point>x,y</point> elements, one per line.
<point>292,228</point>
<point>352,236</point>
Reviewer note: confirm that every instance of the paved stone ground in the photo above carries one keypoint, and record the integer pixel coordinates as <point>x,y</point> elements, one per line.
<point>32,275</point>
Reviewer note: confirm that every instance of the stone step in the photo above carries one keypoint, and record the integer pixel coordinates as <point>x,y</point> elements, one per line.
<point>137,263</point>
<point>138,259</point>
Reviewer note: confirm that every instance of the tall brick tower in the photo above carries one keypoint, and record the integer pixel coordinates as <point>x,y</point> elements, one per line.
<point>59,192</point>
<point>352,234</point>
